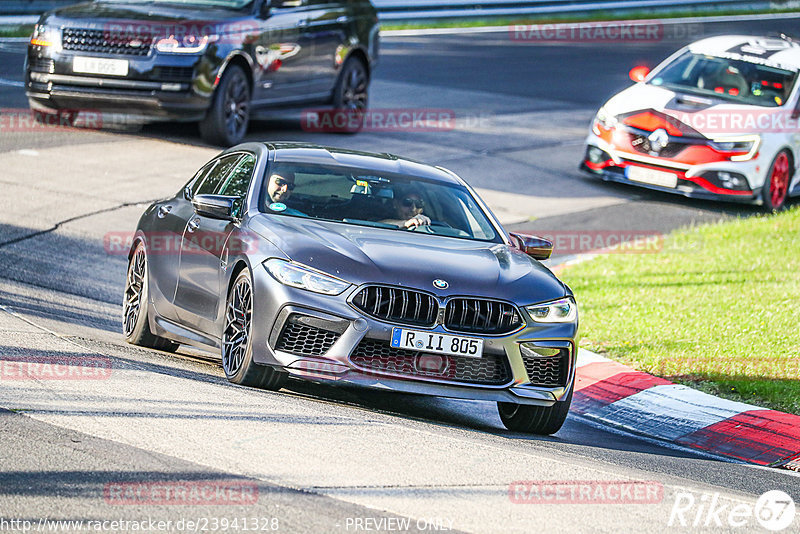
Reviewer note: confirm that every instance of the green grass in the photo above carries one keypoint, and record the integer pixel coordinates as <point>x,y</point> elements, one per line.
<point>718,308</point>
<point>583,17</point>
<point>21,30</point>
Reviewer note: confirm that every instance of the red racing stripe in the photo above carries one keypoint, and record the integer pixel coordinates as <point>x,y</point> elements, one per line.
<point>601,383</point>
<point>763,437</point>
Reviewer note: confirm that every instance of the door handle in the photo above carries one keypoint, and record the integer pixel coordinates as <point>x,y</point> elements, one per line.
<point>302,23</point>
<point>193,225</point>
<point>342,19</point>
<point>163,210</point>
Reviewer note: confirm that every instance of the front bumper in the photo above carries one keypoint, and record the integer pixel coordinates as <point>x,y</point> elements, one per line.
<point>329,338</point>
<point>157,86</point>
<point>691,182</point>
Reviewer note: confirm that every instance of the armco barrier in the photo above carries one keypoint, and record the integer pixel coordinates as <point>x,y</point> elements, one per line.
<point>398,10</point>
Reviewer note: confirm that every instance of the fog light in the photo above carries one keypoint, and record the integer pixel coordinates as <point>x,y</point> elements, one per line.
<point>731,181</point>
<point>532,351</point>
<point>727,180</point>
<point>596,155</point>
<point>41,77</point>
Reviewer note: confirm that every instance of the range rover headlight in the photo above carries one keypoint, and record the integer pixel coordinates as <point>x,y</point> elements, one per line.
<point>558,311</point>
<point>303,277</point>
<point>46,36</point>
<point>184,44</point>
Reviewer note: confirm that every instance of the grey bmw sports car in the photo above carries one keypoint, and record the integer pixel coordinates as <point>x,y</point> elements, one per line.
<point>346,267</point>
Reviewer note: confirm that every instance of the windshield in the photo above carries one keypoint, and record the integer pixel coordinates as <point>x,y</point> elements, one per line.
<point>393,202</point>
<point>731,79</point>
<point>228,4</point>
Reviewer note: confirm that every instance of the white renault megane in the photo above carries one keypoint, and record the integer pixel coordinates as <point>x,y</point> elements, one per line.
<point>717,119</point>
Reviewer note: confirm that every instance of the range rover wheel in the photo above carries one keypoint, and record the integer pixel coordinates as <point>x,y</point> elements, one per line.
<point>542,420</point>
<point>351,93</point>
<point>226,121</point>
<point>135,321</point>
<point>237,345</point>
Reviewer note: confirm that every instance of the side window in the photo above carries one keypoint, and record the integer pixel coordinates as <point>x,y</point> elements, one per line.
<point>220,171</point>
<point>239,180</point>
<point>198,178</point>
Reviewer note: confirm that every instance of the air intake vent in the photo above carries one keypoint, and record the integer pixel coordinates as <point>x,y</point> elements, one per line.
<point>106,42</point>
<point>397,305</point>
<point>481,316</point>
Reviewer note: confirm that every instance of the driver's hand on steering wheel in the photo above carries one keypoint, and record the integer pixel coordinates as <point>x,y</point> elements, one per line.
<point>417,220</point>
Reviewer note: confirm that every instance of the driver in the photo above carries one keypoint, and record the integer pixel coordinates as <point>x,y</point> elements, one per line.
<point>279,188</point>
<point>408,206</point>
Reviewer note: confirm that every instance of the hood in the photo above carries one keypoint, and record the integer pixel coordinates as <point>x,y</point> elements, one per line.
<point>649,107</point>
<point>105,15</point>
<point>374,255</point>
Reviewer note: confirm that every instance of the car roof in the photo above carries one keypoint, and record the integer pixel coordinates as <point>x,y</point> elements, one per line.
<point>290,152</point>
<point>781,53</point>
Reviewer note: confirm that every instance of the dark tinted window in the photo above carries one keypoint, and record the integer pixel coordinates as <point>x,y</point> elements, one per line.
<point>215,178</point>
<point>198,178</point>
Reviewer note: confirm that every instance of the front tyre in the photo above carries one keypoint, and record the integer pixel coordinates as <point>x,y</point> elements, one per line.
<point>237,340</point>
<point>776,186</point>
<point>226,121</point>
<point>542,420</point>
<point>135,320</point>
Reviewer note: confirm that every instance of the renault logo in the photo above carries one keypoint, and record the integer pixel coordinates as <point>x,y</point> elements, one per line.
<point>659,140</point>
<point>440,284</point>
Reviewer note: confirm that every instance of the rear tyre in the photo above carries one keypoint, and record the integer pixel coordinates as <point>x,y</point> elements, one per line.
<point>226,121</point>
<point>351,94</point>
<point>237,343</point>
<point>542,420</point>
<point>776,186</point>
<point>135,320</point>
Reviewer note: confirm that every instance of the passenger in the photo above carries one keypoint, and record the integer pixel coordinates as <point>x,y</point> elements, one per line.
<point>408,208</point>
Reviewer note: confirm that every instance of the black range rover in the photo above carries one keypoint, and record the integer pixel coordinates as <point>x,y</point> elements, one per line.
<point>213,61</point>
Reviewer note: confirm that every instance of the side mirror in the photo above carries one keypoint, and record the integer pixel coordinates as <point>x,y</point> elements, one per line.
<point>537,248</point>
<point>214,206</point>
<point>638,74</point>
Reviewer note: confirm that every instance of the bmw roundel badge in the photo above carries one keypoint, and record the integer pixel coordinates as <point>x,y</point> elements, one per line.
<point>440,284</point>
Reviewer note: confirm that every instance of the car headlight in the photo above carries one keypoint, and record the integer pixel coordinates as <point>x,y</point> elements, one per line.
<point>46,36</point>
<point>744,147</point>
<point>297,275</point>
<point>186,44</point>
<point>558,311</point>
<point>604,119</point>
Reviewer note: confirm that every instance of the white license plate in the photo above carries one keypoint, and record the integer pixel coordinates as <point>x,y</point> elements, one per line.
<point>435,342</point>
<point>651,176</point>
<point>98,65</point>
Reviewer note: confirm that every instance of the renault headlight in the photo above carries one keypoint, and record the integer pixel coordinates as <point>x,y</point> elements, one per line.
<point>558,311</point>
<point>184,44</point>
<point>303,277</point>
<point>603,119</point>
<point>744,147</point>
<point>46,36</point>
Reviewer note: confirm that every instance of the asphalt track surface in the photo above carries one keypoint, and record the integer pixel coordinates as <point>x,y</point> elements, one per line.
<point>324,459</point>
